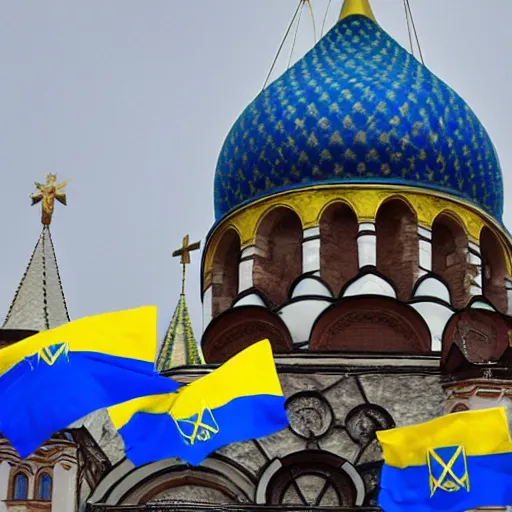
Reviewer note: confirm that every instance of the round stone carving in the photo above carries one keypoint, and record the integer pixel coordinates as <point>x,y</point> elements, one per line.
<point>363,421</point>
<point>309,414</point>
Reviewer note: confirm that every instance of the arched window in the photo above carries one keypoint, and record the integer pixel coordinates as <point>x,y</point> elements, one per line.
<point>314,479</point>
<point>450,258</point>
<point>278,257</point>
<point>44,487</point>
<point>338,246</point>
<point>398,246</point>
<point>225,272</point>
<point>20,487</point>
<point>494,270</point>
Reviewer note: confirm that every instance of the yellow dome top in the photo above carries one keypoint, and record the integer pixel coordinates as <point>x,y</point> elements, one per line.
<point>362,7</point>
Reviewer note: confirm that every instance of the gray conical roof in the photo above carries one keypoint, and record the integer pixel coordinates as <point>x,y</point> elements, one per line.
<point>39,303</point>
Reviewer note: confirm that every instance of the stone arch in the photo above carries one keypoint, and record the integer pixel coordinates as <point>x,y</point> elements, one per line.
<point>214,481</point>
<point>370,324</point>
<point>338,245</point>
<point>278,253</point>
<point>450,257</point>
<point>184,485</point>
<point>397,245</point>
<point>226,260</point>
<point>239,328</point>
<point>494,270</point>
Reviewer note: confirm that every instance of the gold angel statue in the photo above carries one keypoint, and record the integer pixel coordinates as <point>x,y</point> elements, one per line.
<point>47,193</point>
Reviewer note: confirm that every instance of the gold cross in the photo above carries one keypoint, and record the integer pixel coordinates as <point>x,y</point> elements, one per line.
<point>184,253</point>
<point>47,193</point>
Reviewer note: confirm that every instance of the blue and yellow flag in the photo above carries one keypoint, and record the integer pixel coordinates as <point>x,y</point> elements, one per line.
<point>56,377</point>
<point>238,401</point>
<point>454,463</point>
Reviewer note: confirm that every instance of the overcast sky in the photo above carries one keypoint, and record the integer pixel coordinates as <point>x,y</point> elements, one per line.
<point>132,99</point>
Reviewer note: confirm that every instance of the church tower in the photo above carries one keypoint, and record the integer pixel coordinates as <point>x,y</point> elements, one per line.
<point>358,203</point>
<point>179,347</point>
<point>68,466</point>
<point>39,303</point>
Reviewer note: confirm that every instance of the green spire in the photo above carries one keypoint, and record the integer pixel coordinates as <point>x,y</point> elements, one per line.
<point>179,347</point>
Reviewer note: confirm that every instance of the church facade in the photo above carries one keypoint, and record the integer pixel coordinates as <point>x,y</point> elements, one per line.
<point>358,204</point>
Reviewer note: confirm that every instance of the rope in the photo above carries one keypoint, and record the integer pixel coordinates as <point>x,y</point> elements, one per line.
<point>408,7</point>
<point>408,27</point>
<point>282,43</point>
<point>325,17</point>
<point>312,19</point>
<point>294,39</point>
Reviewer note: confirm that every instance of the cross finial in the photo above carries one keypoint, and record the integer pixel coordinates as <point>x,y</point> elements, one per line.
<point>184,253</point>
<point>47,193</point>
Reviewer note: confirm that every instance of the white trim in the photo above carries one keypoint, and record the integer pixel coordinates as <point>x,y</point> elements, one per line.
<point>367,245</point>
<point>261,490</point>
<point>357,481</point>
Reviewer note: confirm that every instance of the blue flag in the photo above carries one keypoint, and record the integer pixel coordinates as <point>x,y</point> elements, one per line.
<point>458,462</point>
<point>56,377</point>
<point>239,401</point>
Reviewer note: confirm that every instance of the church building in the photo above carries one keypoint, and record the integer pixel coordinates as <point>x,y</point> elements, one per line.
<point>358,227</point>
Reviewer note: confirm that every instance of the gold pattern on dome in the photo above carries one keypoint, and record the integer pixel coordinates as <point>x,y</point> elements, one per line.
<point>310,204</point>
<point>321,123</point>
<point>48,193</point>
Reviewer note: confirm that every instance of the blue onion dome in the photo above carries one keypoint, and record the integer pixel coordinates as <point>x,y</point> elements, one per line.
<point>358,108</point>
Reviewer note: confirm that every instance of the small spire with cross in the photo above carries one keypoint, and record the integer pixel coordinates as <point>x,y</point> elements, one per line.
<point>48,193</point>
<point>184,253</point>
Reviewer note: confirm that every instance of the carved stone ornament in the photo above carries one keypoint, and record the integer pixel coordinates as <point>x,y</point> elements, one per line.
<point>309,414</point>
<point>363,422</point>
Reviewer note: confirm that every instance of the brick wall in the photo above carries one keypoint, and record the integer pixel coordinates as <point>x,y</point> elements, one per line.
<point>338,246</point>
<point>397,246</point>
<point>449,257</point>
<point>278,259</point>
<point>225,273</point>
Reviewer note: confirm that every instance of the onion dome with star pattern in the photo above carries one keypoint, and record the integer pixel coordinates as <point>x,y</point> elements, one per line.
<point>358,109</point>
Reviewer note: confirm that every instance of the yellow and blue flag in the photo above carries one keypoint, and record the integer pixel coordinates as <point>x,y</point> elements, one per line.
<point>56,377</point>
<point>454,463</point>
<point>240,400</point>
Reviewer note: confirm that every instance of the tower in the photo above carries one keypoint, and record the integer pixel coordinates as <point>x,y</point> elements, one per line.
<point>65,469</point>
<point>358,204</point>
<point>179,347</point>
<point>39,302</point>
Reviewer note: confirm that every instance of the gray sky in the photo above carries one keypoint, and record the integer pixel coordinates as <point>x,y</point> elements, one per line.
<point>132,99</point>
